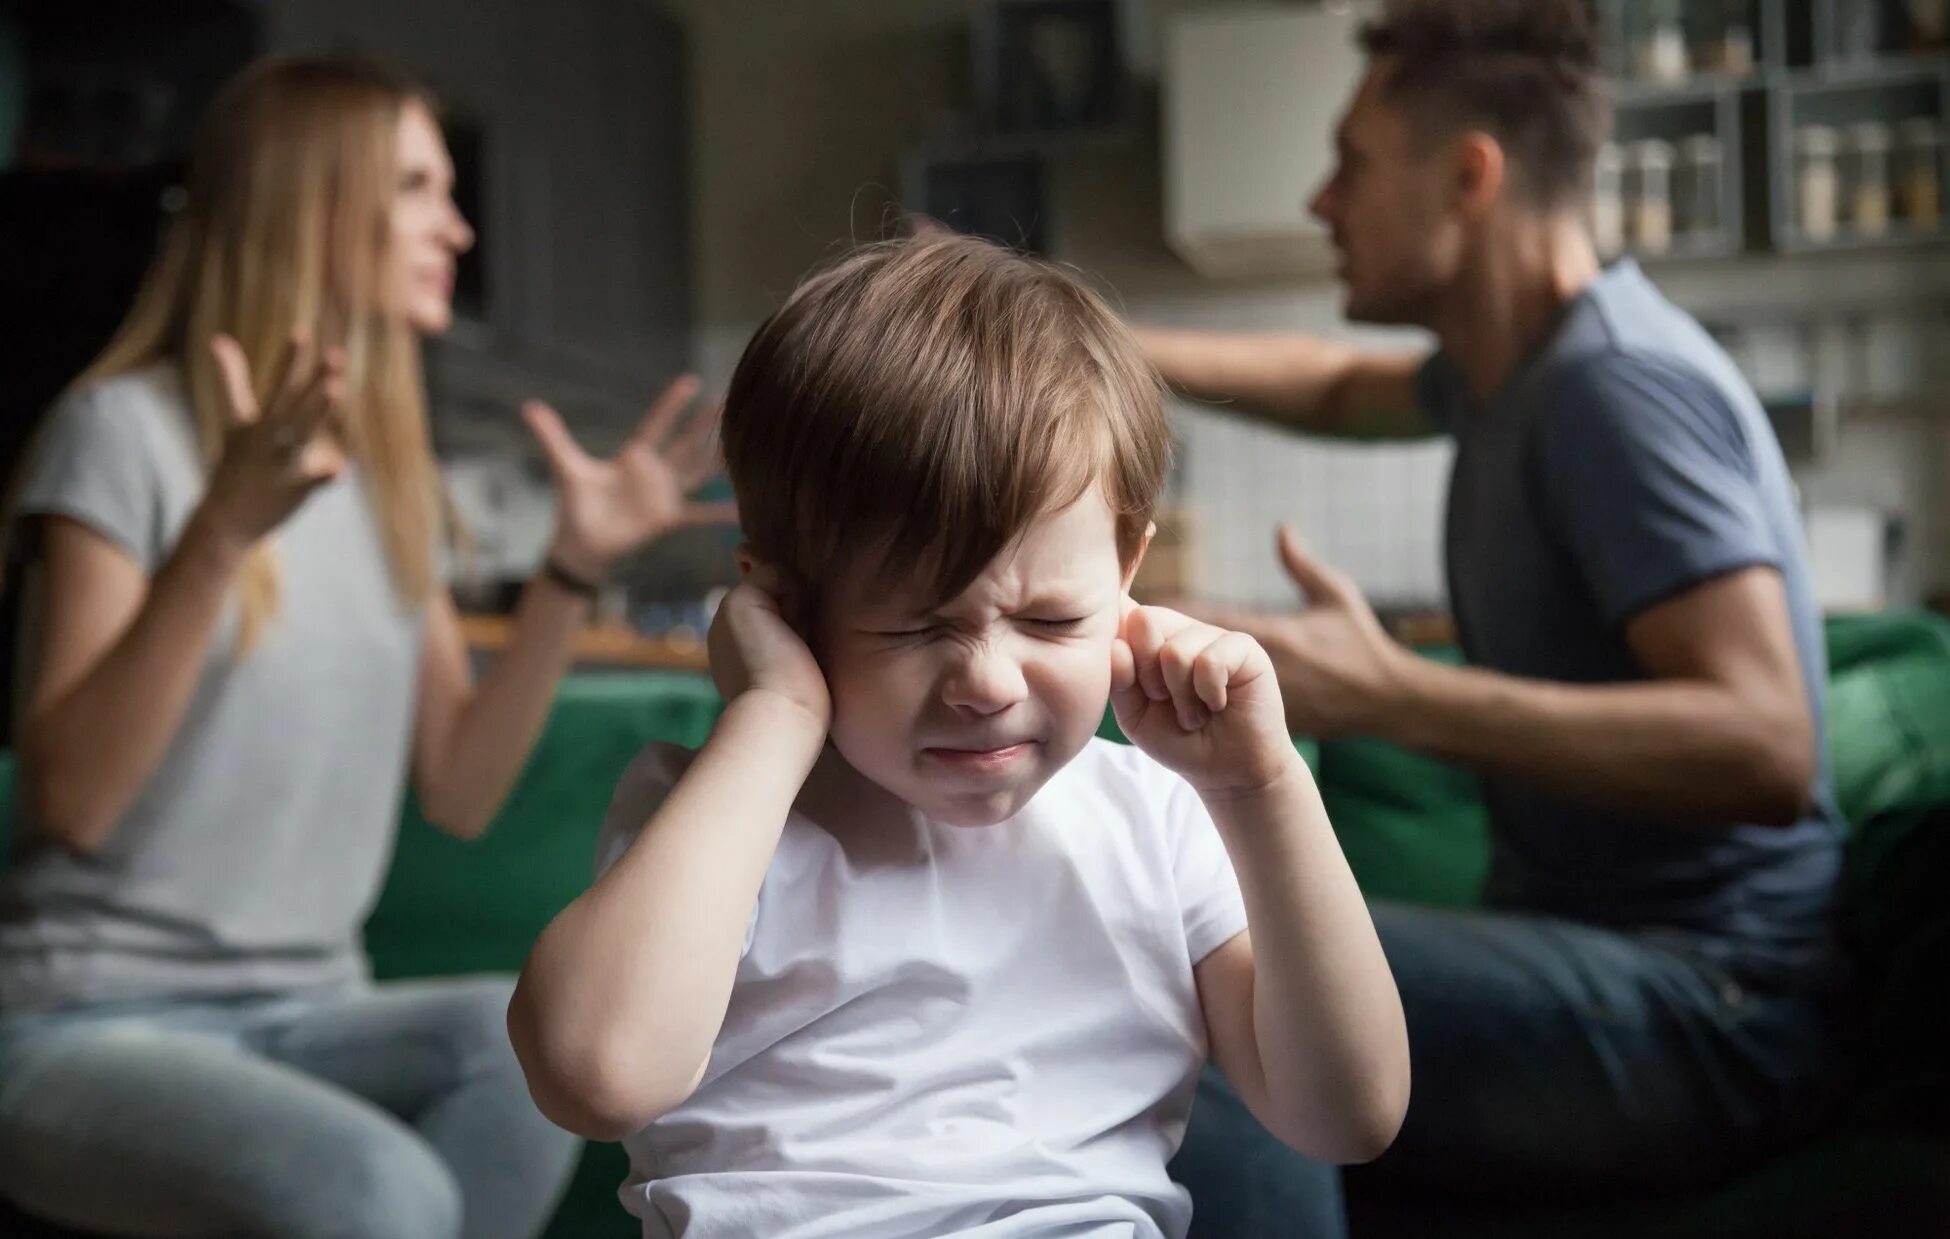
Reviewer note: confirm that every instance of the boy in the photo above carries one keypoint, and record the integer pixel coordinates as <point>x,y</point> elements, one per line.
<point>903,950</point>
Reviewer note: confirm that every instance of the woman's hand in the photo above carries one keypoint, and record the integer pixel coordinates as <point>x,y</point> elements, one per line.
<point>278,451</point>
<point>608,508</point>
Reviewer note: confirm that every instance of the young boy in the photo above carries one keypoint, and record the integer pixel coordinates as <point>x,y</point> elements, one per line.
<point>903,950</point>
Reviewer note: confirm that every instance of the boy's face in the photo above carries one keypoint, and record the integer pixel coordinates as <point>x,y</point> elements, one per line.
<point>964,711</point>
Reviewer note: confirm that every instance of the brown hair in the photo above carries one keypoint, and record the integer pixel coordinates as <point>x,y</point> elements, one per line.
<point>922,401</point>
<point>1526,72</point>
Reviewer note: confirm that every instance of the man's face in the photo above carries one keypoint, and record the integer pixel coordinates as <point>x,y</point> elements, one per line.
<point>1387,207</point>
<point>965,710</point>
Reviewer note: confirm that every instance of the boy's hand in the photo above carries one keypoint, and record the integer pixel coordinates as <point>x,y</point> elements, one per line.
<point>754,648</point>
<point>1201,700</point>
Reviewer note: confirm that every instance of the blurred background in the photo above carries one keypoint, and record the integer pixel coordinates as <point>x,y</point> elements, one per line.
<point>649,179</point>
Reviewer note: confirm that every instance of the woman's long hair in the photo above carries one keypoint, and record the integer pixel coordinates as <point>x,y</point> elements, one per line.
<point>290,189</point>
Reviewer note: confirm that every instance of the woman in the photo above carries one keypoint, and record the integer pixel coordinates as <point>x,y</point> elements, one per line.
<point>236,646</point>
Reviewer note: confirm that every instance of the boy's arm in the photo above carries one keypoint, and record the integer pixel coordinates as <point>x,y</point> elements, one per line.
<point>1301,1010</point>
<point>615,1014</point>
<point>617,1009</point>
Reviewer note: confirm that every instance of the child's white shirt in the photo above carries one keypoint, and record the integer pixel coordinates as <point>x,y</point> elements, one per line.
<point>988,1031</point>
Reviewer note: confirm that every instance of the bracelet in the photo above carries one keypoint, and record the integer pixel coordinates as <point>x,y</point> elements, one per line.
<point>569,581</point>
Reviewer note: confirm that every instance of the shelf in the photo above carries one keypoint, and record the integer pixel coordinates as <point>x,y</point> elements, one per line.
<point>1897,238</point>
<point>1763,27</point>
<point>1851,76</point>
<point>1798,80</point>
<point>1674,116</point>
<point>1692,250</point>
<point>1634,96</point>
<point>1838,97</point>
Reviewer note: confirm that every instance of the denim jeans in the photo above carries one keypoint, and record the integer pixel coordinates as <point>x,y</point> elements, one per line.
<point>389,1110</point>
<point>1549,1059</point>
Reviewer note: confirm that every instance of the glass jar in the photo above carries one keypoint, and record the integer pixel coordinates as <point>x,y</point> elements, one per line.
<point>1728,46</point>
<point>1817,183</point>
<point>1659,41</point>
<point>1698,188</point>
<point>1919,175</point>
<point>1868,179</point>
<point>1608,202</point>
<point>1651,200</point>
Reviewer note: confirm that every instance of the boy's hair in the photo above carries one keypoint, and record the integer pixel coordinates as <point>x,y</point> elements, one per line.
<point>922,401</point>
<point>1526,72</point>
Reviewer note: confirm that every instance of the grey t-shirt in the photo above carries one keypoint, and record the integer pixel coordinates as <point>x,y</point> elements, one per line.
<point>1625,463</point>
<point>249,860</point>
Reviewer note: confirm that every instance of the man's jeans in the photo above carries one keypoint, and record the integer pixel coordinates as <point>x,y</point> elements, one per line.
<point>1549,1058</point>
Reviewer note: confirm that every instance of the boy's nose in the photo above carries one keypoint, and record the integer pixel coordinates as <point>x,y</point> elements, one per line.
<point>986,681</point>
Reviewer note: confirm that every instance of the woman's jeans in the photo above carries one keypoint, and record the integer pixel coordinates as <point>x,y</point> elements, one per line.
<point>382,1111</point>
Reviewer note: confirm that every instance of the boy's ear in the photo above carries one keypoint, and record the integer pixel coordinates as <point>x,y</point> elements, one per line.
<point>1137,560</point>
<point>742,556</point>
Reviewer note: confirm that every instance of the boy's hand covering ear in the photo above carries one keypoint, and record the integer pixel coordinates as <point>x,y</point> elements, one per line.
<point>755,649</point>
<point>1201,700</point>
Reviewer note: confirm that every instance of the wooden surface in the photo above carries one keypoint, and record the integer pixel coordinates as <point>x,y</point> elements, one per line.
<point>607,645</point>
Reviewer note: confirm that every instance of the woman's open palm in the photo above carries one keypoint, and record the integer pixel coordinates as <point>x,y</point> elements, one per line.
<point>611,507</point>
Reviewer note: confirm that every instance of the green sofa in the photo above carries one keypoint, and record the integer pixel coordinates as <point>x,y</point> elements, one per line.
<point>1413,829</point>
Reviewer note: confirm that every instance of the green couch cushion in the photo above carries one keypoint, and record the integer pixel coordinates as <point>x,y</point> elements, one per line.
<point>1889,712</point>
<point>1413,827</point>
<point>452,907</point>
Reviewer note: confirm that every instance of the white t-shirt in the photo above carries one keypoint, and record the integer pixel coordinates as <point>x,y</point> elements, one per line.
<point>968,1031</point>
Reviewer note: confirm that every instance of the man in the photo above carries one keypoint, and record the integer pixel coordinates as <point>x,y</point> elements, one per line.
<point>1643,1002</point>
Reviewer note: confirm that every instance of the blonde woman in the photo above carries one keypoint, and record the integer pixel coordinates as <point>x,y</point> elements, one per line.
<point>237,647</point>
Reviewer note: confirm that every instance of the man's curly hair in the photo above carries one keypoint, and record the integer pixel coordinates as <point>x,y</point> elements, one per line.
<point>1527,72</point>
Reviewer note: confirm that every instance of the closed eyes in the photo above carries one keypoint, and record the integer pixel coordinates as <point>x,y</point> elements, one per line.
<point>1055,627</point>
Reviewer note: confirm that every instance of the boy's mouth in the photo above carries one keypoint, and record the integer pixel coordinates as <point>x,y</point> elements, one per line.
<point>979,759</point>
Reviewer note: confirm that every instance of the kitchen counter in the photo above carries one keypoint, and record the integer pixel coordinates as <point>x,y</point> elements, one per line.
<point>596,645</point>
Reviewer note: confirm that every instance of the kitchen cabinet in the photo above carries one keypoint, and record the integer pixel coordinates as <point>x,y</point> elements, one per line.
<point>1251,97</point>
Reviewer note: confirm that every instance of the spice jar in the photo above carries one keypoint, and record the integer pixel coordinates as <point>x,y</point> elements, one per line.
<point>1729,44</point>
<point>1920,174</point>
<point>1608,202</point>
<point>1818,185</point>
<point>1659,41</point>
<point>1698,186</point>
<point>1651,201</point>
<point>1868,181</point>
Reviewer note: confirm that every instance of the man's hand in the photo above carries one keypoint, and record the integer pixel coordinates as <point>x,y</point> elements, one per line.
<point>1339,671</point>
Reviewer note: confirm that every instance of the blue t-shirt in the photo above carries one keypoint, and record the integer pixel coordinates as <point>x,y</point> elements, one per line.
<point>1626,462</point>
